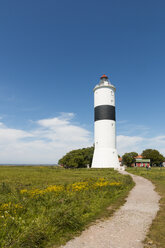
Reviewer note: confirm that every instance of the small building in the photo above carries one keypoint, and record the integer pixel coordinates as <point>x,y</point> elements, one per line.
<point>120,161</point>
<point>141,162</point>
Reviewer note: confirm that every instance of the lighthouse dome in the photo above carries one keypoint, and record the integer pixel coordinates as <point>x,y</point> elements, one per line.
<point>104,80</point>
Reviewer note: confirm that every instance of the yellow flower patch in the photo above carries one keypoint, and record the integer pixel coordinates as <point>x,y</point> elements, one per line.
<point>9,206</point>
<point>75,187</point>
<point>78,186</point>
<point>35,192</point>
<point>8,210</point>
<point>106,183</point>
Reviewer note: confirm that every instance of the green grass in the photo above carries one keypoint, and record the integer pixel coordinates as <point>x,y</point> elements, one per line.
<point>156,235</point>
<point>35,214</point>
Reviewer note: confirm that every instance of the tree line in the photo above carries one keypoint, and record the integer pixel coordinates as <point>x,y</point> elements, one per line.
<point>156,158</point>
<point>81,158</point>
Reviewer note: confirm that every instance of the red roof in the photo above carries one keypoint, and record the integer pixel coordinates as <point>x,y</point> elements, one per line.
<point>139,156</point>
<point>120,159</point>
<point>103,76</point>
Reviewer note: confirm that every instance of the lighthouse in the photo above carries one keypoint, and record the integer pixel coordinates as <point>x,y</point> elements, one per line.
<point>105,153</point>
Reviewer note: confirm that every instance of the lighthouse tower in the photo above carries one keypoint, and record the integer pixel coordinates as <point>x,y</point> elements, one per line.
<point>105,153</point>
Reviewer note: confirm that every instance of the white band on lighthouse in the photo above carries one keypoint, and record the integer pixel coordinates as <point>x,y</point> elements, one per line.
<point>105,153</point>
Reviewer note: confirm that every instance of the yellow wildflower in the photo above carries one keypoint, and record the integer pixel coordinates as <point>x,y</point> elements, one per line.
<point>35,192</point>
<point>78,186</point>
<point>23,191</point>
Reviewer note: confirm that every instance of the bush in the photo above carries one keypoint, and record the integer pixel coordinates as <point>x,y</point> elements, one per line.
<point>77,158</point>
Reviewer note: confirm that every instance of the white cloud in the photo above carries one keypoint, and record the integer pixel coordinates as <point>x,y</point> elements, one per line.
<point>138,144</point>
<point>135,137</point>
<point>158,143</point>
<point>50,140</point>
<point>129,144</point>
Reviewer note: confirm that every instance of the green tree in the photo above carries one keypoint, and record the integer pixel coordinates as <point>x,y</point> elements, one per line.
<point>77,158</point>
<point>154,156</point>
<point>129,158</point>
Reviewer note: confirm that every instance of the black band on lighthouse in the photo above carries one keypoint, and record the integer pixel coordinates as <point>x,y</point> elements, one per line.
<point>105,112</point>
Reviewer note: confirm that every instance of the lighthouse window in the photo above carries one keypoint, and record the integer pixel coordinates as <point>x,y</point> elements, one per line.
<point>112,124</point>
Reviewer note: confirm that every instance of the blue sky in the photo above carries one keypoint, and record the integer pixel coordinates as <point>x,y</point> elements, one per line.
<point>52,54</point>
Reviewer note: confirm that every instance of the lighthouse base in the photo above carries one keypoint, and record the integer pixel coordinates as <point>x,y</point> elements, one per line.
<point>105,158</point>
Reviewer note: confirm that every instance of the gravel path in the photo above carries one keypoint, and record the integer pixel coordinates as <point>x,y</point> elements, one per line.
<point>128,226</point>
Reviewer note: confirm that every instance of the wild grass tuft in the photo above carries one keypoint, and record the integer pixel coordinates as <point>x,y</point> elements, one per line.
<point>49,206</point>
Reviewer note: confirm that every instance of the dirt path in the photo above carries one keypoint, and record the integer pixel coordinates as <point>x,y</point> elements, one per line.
<point>128,226</point>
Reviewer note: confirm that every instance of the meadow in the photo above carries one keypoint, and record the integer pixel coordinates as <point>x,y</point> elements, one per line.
<point>156,234</point>
<point>43,206</point>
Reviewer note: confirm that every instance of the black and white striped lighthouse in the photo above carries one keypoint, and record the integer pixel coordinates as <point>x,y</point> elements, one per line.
<point>105,153</point>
